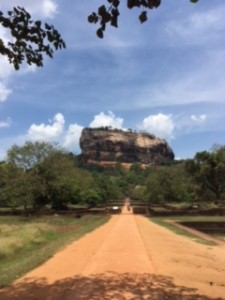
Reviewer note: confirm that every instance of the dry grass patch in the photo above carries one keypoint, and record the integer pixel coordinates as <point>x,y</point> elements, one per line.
<point>27,242</point>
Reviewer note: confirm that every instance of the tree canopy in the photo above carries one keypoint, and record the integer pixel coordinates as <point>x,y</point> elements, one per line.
<point>31,39</point>
<point>208,171</point>
<point>38,175</point>
<point>109,15</point>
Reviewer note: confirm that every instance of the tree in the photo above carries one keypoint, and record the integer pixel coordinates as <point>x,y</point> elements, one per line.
<point>110,15</point>
<point>32,39</point>
<point>40,173</point>
<point>30,154</point>
<point>23,185</point>
<point>59,179</point>
<point>208,171</point>
<point>169,184</point>
<point>17,187</point>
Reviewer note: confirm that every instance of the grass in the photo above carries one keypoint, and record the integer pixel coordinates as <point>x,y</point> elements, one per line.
<point>195,218</point>
<point>220,236</point>
<point>162,222</point>
<point>27,242</point>
<point>202,205</point>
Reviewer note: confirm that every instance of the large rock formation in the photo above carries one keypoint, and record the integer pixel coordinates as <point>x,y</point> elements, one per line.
<point>106,147</point>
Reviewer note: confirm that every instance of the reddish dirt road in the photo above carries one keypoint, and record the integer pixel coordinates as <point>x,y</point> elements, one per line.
<point>127,258</point>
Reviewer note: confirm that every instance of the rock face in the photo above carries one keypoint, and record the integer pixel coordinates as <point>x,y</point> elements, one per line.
<point>106,147</point>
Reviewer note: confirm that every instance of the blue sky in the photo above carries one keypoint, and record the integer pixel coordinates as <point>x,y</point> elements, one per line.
<point>165,76</point>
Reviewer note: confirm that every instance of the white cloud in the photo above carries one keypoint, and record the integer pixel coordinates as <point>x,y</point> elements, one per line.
<point>41,8</point>
<point>197,28</point>
<point>72,137</point>
<point>186,123</point>
<point>4,92</point>
<point>5,124</point>
<point>56,132</point>
<point>5,70</point>
<point>48,132</point>
<point>161,125</point>
<point>69,137</point>
<point>198,119</point>
<point>49,8</point>
<point>192,86</point>
<point>8,141</point>
<point>109,119</point>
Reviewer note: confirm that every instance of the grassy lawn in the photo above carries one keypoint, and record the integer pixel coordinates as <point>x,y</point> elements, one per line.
<point>194,218</point>
<point>26,242</point>
<point>162,221</point>
<point>205,205</point>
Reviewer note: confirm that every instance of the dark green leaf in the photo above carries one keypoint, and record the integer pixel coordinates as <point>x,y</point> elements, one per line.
<point>38,23</point>
<point>143,17</point>
<point>115,12</point>
<point>47,26</point>
<point>96,19</point>
<point>101,10</point>
<point>114,21</point>
<point>16,10</point>
<point>131,3</point>
<point>103,25</point>
<point>106,17</point>
<point>144,3</point>
<point>156,3</point>
<point>116,3</point>
<point>99,33</point>
<point>91,19</point>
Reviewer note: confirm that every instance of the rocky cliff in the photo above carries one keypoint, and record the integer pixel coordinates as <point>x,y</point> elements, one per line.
<point>106,147</point>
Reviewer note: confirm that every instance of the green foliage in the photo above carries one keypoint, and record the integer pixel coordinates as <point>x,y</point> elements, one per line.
<point>39,174</point>
<point>30,154</point>
<point>109,14</point>
<point>106,184</point>
<point>27,242</point>
<point>31,39</point>
<point>57,175</point>
<point>91,197</point>
<point>172,227</point>
<point>137,192</point>
<point>15,186</point>
<point>208,171</point>
<point>169,184</point>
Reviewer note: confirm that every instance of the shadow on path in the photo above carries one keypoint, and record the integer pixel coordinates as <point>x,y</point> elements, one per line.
<point>110,286</point>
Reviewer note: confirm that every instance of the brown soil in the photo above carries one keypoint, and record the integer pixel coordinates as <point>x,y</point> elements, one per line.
<point>127,258</point>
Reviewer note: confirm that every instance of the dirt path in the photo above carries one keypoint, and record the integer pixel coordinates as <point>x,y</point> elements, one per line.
<point>127,258</point>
